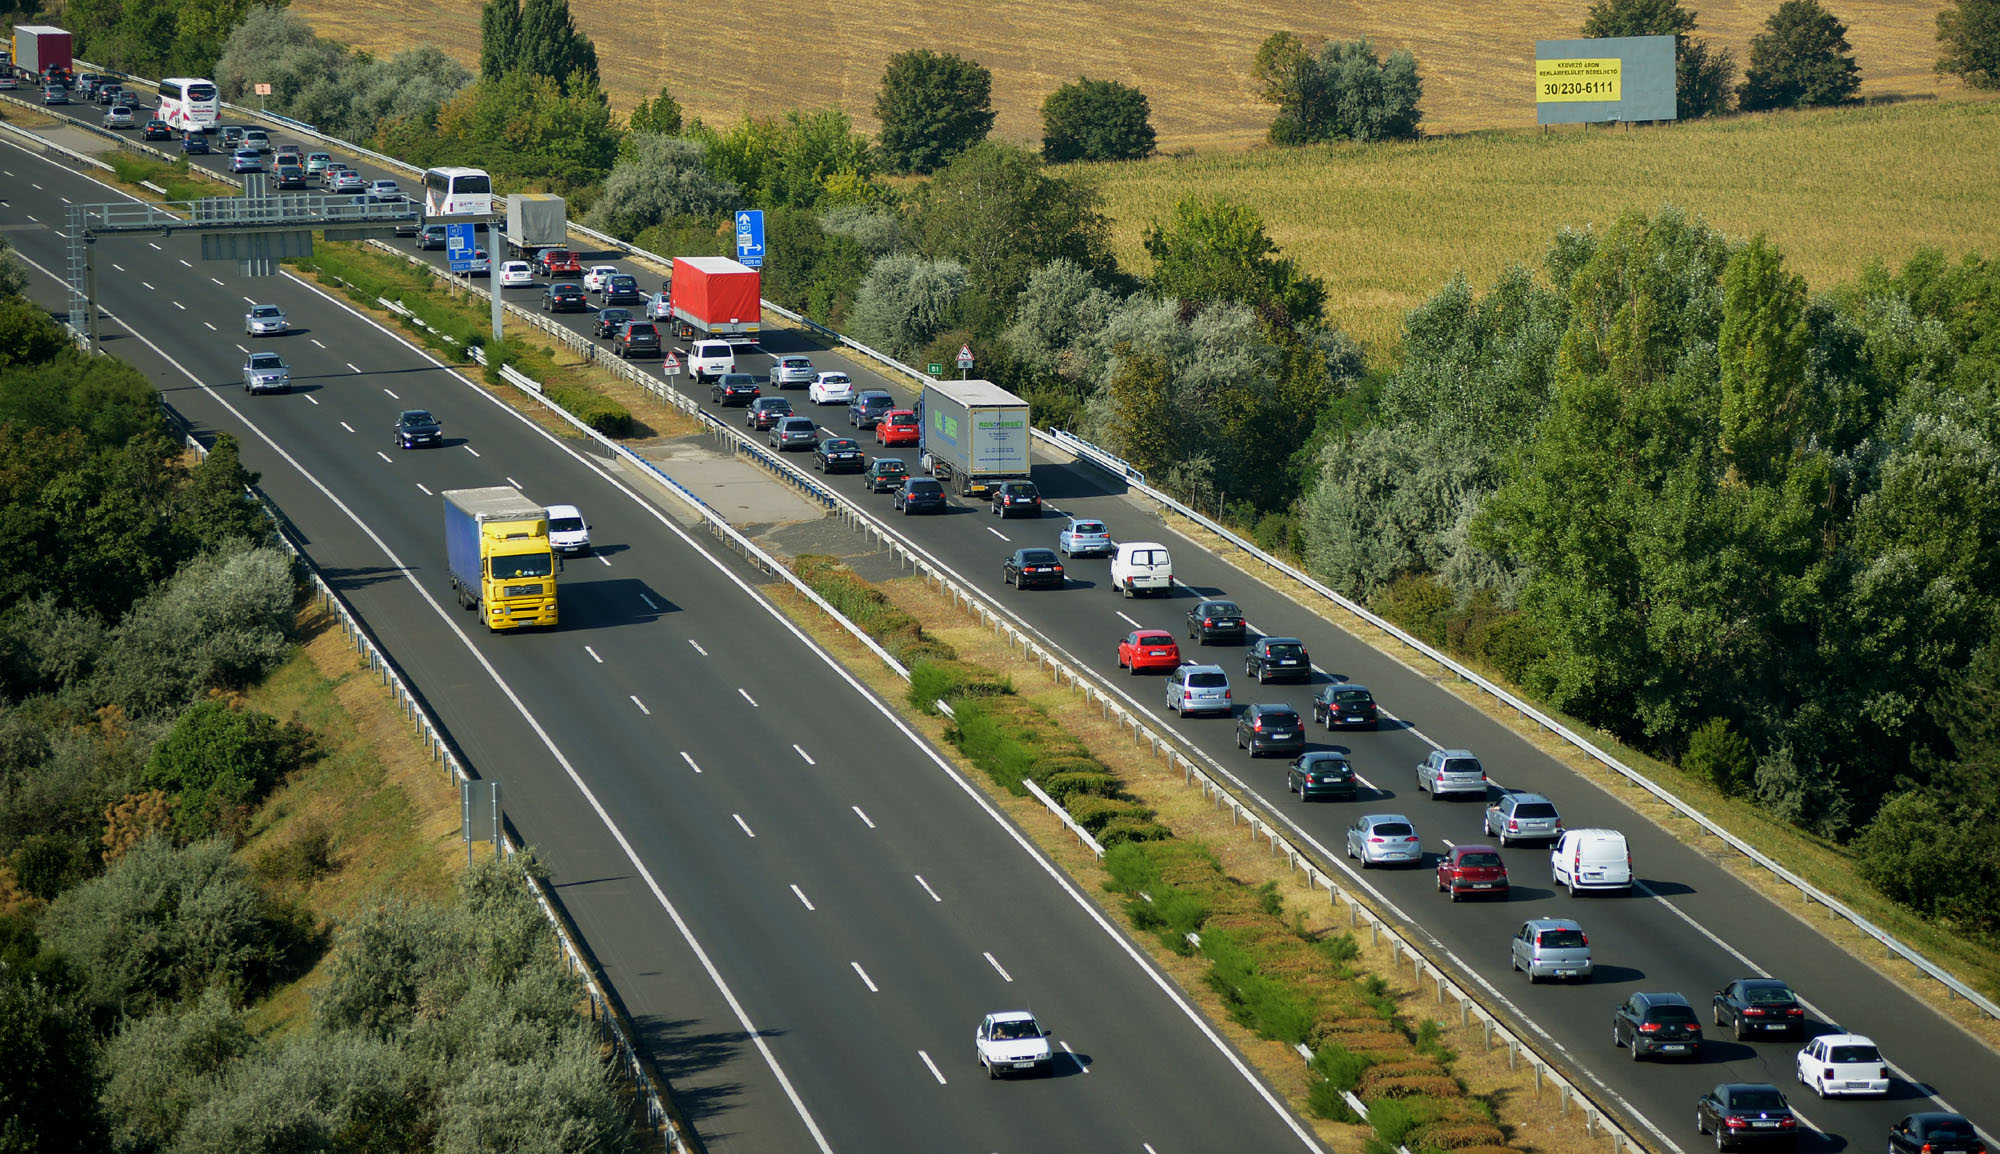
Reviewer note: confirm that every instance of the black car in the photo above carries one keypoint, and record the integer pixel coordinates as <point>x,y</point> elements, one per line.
<point>636,339</point>
<point>194,143</point>
<point>1656,1024</point>
<point>1278,657</point>
<point>1322,773</point>
<point>1215,621</point>
<point>416,427</point>
<point>1742,1113</point>
<point>1935,1133</point>
<point>232,136</point>
<point>1011,498</point>
<point>1345,704</point>
<point>920,493</point>
<point>109,94</point>
<point>885,474</point>
<point>793,433</point>
<point>432,236</point>
<point>607,322</point>
<point>734,389</point>
<point>158,130</point>
<point>767,411</point>
<point>291,176</point>
<point>866,409</point>
<point>564,298</point>
<point>839,455</point>
<point>1263,729</point>
<point>1759,1006</point>
<point>1025,567</point>
<point>622,289</point>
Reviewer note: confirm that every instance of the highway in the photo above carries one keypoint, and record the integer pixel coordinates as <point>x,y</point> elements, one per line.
<point>802,906</point>
<point>1690,926</point>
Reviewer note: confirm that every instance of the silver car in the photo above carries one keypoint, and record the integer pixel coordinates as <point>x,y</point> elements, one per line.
<point>1552,948</point>
<point>265,321</point>
<point>1198,689</point>
<point>794,433</point>
<point>659,308</point>
<point>1085,537</point>
<point>1523,817</point>
<point>1451,771</point>
<point>266,373</point>
<point>384,190</point>
<point>789,372</point>
<point>118,116</point>
<point>1385,839</point>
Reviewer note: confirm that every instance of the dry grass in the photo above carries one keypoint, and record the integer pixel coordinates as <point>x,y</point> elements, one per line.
<point>1532,1119</point>
<point>1387,225</point>
<point>1192,61</point>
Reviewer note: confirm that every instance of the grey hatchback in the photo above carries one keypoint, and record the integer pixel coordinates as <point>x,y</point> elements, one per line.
<point>1552,948</point>
<point>1345,704</point>
<point>794,433</point>
<point>1523,817</point>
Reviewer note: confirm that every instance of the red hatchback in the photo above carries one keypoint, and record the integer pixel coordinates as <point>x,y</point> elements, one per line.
<point>897,427</point>
<point>1472,869</point>
<point>558,262</point>
<point>1149,649</point>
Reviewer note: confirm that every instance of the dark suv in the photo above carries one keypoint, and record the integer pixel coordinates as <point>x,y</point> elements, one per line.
<point>1263,729</point>
<point>1215,621</point>
<point>1345,704</point>
<point>636,339</point>
<point>622,289</point>
<point>1655,1024</point>
<point>1278,657</point>
<point>867,407</point>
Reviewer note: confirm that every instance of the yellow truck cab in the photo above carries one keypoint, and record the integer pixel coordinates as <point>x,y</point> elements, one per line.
<point>497,552</point>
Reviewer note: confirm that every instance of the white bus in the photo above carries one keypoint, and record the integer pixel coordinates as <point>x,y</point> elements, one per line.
<point>188,105</point>
<point>457,192</point>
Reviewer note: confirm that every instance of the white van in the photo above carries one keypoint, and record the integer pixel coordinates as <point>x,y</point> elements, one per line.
<point>568,532</point>
<point>1591,859</point>
<point>1140,567</point>
<point>708,360</point>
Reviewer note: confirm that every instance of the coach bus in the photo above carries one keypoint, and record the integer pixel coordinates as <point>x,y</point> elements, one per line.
<point>187,104</point>
<point>457,192</point>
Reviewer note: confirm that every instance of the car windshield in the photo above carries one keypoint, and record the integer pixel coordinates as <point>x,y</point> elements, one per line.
<point>1207,680</point>
<point>1855,1054</point>
<point>1392,829</point>
<point>1222,609</point>
<point>266,361</point>
<point>1535,809</point>
<point>525,565</point>
<point>264,312</point>
<point>418,417</point>
<point>1353,697</point>
<point>565,524</point>
<point>1757,1098</point>
<point>1461,765</point>
<point>1282,650</point>
<point>1677,1014</point>
<point>1481,860</point>
<point>1768,996</point>
<point>1561,939</point>
<point>1038,557</point>
<point>1015,1031</point>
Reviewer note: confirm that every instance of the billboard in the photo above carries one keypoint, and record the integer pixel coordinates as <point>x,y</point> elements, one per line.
<point>1610,78</point>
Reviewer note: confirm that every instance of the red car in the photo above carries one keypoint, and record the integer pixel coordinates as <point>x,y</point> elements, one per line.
<point>558,262</point>
<point>897,427</point>
<point>1472,869</point>
<point>1149,649</point>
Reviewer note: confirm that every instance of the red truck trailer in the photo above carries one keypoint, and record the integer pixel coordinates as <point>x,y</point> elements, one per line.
<point>715,298</point>
<point>42,51</point>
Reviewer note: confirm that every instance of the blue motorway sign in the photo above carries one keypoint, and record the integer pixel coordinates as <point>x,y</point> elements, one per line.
<point>750,237</point>
<point>459,245</point>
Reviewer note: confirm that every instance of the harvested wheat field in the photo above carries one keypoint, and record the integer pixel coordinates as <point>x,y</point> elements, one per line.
<point>1193,62</point>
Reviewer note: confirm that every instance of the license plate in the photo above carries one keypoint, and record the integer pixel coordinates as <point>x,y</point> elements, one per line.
<point>1024,1065</point>
<point>1763,1125</point>
<point>1565,973</point>
<point>1593,873</point>
<point>1672,1048</point>
<point>1479,885</point>
<point>1280,734</point>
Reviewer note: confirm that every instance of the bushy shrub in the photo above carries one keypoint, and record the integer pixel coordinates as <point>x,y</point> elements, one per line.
<point>48,1078</point>
<point>659,179</point>
<point>162,1066</point>
<point>1094,813</point>
<point>905,301</point>
<point>218,762</point>
<point>221,622</point>
<point>306,1093</point>
<point>1721,755</point>
<point>1270,1007</point>
<point>1129,828</point>
<point>594,409</point>
<point>1061,787</point>
<point>1418,603</point>
<point>1340,1066</point>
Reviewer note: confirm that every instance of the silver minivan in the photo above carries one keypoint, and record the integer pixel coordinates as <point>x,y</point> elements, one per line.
<point>1552,948</point>
<point>1198,689</point>
<point>1451,771</point>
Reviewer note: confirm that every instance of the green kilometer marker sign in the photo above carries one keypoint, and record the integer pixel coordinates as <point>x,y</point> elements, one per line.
<point>936,368</point>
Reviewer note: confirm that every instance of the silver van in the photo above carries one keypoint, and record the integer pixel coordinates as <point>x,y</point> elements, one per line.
<point>1552,948</point>
<point>1198,689</point>
<point>1591,859</point>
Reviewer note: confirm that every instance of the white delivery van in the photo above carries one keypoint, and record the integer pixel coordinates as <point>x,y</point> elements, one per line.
<point>708,360</point>
<point>1591,859</point>
<point>1141,567</point>
<point>568,532</point>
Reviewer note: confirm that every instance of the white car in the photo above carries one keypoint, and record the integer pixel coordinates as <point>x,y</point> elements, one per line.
<point>831,389</point>
<point>1837,1064</point>
<point>384,190</point>
<point>118,116</point>
<point>709,360</point>
<point>516,274</point>
<point>597,276</point>
<point>265,321</point>
<point>568,531</point>
<point>789,371</point>
<point>1012,1042</point>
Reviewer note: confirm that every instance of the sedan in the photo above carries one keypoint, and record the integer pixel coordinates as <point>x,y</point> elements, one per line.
<point>1278,657</point>
<point>1322,773</point>
<point>55,94</point>
<point>479,263</point>
<point>1842,1064</point>
<point>118,116</point>
<point>384,190</point>
<point>831,389</point>
<point>417,427</point>
<point>431,236</point>
<point>1472,869</point>
<point>1215,621</point>
<point>920,493</point>
<point>1085,537</point>
<point>109,94</point>
<point>1345,704</point>
<point>1384,839</point>
<point>194,143</point>
<point>1267,728</point>
<point>1025,567</point>
<point>516,274</point>
<point>290,177</point>
<point>885,474</point>
<point>1738,1113</point>
<point>765,412</point>
<point>158,130</point>
<point>316,163</point>
<point>793,433</point>
<point>1759,1006</point>
<point>332,169</point>
<point>1016,498</point>
<point>244,160</point>
<point>1144,649</point>
<point>1012,1042</point>
<point>789,371</point>
<point>734,389</point>
<point>897,427</point>
<point>347,180</point>
<point>607,322</point>
<point>599,275</point>
<point>232,135</point>
<point>257,140</point>
<point>839,455</point>
<point>560,298</point>
<point>265,321</point>
<point>1935,1133</point>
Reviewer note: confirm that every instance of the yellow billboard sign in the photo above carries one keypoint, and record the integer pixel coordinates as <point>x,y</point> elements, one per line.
<point>1560,81</point>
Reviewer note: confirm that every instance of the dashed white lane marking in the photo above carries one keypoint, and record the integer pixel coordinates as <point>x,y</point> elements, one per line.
<point>927,887</point>
<point>350,365</point>
<point>217,280</point>
<point>865,821</point>
<point>804,754</point>
<point>315,340</point>
<point>649,603</point>
<point>394,397</point>
<point>315,400</point>
<point>1079,1062</point>
<point>697,647</point>
<point>513,482</point>
<point>468,448</point>
<point>998,968</point>
<point>744,824</point>
<point>640,704</point>
<point>427,492</point>
<point>803,899</point>
<point>865,980</point>
<point>384,456</point>
<point>935,1072</point>
<point>748,698</point>
<point>604,561</point>
<point>348,427</point>
<point>690,761</point>
<point>593,655</point>
<point>999,534</point>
